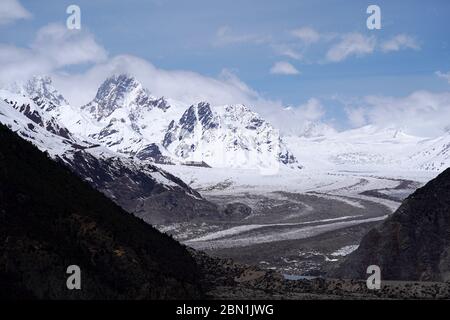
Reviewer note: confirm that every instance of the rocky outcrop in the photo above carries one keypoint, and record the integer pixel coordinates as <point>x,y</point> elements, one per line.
<point>143,189</point>
<point>412,244</point>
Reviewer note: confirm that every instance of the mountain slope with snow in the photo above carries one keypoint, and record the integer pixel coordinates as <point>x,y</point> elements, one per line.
<point>434,154</point>
<point>227,136</point>
<point>141,188</point>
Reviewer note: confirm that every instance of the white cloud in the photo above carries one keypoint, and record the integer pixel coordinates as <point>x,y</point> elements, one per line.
<point>422,113</point>
<point>292,120</point>
<point>356,116</point>
<point>186,87</point>
<point>306,34</point>
<point>226,36</point>
<point>351,44</point>
<point>54,47</point>
<point>285,50</point>
<point>399,42</point>
<point>67,47</point>
<point>443,75</point>
<point>12,10</point>
<point>312,110</point>
<point>285,68</point>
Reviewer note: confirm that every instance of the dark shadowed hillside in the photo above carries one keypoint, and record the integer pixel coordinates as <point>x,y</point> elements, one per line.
<point>133,187</point>
<point>412,244</point>
<point>51,219</point>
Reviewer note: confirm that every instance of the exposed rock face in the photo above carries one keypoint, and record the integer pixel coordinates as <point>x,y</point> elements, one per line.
<point>412,244</point>
<point>51,219</point>
<point>148,192</point>
<point>30,109</point>
<point>153,153</point>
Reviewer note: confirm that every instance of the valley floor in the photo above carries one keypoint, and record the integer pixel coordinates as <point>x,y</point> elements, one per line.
<point>302,222</point>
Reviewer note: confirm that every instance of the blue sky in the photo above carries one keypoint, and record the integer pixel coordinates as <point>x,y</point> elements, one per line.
<point>250,37</point>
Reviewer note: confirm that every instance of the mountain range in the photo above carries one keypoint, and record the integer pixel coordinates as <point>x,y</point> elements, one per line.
<point>126,119</point>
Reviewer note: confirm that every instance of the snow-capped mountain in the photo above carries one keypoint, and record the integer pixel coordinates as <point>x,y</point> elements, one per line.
<point>122,92</point>
<point>42,92</point>
<point>26,108</point>
<point>127,119</point>
<point>226,136</point>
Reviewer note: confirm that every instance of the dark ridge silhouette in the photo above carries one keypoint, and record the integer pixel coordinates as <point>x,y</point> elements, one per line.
<point>51,219</point>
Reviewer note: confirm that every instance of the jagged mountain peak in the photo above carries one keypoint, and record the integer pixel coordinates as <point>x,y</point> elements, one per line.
<point>125,118</point>
<point>34,111</point>
<point>121,84</point>
<point>237,108</point>
<point>42,91</point>
<point>202,113</point>
<point>226,136</point>
<point>123,91</point>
